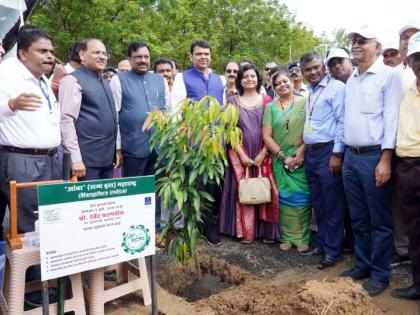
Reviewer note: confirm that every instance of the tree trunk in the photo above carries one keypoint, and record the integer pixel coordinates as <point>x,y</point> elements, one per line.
<point>197,266</point>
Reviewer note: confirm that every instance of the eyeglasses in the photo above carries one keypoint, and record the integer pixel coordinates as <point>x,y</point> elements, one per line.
<point>295,70</point>
<point>360,41</point>
<point>231,71</point>
<point>101,53</point>
<point>335,61</point>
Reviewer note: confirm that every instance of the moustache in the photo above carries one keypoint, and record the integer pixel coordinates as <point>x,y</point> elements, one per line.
<point>232,77</point>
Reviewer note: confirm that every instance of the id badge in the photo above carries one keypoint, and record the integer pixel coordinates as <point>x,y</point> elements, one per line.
<point>54,117</point>
<point>307,128</point>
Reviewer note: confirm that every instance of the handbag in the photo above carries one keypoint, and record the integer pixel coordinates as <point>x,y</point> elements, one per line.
<point>254,191</point>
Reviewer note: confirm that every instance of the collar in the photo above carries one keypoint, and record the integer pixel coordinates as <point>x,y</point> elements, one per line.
<point>27,75</point>
<point>86,69</point>
<point>374,68</point>
<point>324,82</point>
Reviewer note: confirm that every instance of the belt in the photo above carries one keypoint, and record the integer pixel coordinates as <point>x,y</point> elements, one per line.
<point>366,149</point>
<point>49,152</point>
<point>412,161</point>
<point>316,146</point>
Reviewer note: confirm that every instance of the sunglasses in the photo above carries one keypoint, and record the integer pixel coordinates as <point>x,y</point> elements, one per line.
<point>267,68</point>
<point>360,41</point>
<point>335,61</point>
<point>231,71</point>
<point>294,70</point>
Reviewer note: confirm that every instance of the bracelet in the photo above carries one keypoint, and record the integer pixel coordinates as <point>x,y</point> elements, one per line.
<point>281,155</point>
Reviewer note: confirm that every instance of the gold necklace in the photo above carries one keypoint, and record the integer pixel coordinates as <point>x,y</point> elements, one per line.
<point>282,105</point>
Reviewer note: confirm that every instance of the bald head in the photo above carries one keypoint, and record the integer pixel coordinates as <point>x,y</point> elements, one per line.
<point>124,66</point>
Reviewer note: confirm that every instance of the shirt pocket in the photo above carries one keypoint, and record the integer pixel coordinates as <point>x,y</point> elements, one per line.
<point>371,103</point>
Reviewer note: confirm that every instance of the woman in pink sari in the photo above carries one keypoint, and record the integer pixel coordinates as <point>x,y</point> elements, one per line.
<point>235,219</point>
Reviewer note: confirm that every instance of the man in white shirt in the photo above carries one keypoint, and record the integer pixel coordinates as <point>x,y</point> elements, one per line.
<point>29,122</point>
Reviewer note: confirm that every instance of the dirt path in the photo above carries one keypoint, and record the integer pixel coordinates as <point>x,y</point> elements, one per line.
<point>263,280</point>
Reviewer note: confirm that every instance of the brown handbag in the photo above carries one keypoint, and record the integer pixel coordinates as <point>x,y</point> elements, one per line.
<point>254,191</point>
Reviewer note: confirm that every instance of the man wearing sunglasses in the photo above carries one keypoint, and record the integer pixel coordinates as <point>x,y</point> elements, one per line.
<point>88,115</point>
<point>295,72</point>
<point>339,64</point>
<point>407,185</point>
<point>267,79</point>
<point>231,72</point>
<point>392,56</point>
<point>373,93</point>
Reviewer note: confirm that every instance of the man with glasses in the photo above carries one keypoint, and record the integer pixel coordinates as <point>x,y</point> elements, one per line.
<point>295,72</point>
<point>88,116</point>
<point>231,72</point>
<point>137,92</point>
<point>391,55</point>
<point>407,188</point>
<point>339,64</point>
<point>372,97</point>
<point>267,79</point>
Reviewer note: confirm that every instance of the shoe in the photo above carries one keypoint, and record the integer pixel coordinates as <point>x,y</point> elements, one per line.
<point>409,293</point>
<point>34,299</point>
<point>302,248</point>
<point>212,237</point>
<point>374,287</point>
<point>285,246</point>
<point>243,241</point>
<point>399,260</point>
<point>326,262</point>
<point>268,241</point>
<point>315,251</point>
<point>355,274</point>
<point>348,245</point>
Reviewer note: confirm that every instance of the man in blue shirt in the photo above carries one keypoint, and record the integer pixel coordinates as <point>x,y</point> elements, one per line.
<point>196,83</point>
<point>323,136</point>
<point>373,94</point>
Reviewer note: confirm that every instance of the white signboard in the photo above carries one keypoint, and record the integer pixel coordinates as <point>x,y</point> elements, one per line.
<point>93,224</point>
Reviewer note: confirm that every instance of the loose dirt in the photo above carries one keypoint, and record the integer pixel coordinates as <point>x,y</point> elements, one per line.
<point>268,281</point>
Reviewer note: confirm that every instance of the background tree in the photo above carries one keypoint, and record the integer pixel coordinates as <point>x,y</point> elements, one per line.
<point>258,30</point>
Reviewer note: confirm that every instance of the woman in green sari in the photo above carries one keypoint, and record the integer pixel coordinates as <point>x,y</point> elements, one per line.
<point>282,132</point>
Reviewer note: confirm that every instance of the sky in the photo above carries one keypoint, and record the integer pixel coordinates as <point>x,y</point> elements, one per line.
<point>383,16</point>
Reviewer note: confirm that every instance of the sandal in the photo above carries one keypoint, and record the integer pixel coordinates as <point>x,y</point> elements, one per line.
<point>285,246</point>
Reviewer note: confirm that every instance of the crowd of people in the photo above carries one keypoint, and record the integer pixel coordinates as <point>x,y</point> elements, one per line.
<point>345,147</point>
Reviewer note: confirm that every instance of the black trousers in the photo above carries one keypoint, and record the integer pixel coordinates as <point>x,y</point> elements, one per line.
<point>26,168</point>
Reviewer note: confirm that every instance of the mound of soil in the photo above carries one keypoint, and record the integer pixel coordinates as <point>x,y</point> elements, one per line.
<point>271,296</point>
<point>339,296</point>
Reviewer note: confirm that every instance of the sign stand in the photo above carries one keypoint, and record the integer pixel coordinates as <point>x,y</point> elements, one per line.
<point>153,289</point>
<point>45,299</point>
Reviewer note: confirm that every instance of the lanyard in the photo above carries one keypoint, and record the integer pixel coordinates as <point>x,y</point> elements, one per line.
<point>311,110</point>
<point>45,92</point>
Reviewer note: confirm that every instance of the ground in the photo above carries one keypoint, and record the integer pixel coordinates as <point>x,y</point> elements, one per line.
<point>260,279</point>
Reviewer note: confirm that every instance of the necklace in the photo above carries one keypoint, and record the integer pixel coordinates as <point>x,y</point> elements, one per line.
<point>282,104</point>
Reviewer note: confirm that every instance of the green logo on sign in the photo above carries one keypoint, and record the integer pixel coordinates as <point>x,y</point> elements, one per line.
<point>136,239</point>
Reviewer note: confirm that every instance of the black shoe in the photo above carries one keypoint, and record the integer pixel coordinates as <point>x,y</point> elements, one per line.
<point>355,274</point>
<point>326,262</point>
<point>409,293</point>
<point>315,251</point>
<point>375,287</point>
<point>348,245</point>
<point>212,237</point>
<point>399,260</point>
